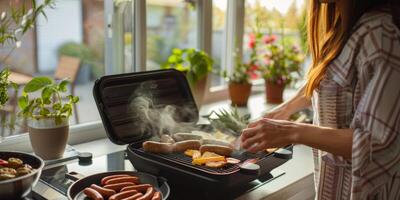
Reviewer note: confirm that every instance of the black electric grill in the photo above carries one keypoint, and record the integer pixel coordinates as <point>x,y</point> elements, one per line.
<point>168,87</point>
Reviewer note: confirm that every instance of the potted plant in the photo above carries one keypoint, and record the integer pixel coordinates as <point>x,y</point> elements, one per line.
<point>281,64</point>
<point>81,51</point>
<point>239,84</point>
<point>47,115</point>
<point>196,64</point>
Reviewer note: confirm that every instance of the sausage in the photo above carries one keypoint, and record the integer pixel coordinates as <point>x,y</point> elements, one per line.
<point>156,196</point>
<point>148,195</point>
<point>130,179</point>
<point>118,186</point>
<point>103,191</point>
<point>140,188</point>
<point>166,139</point>
<point>186,136</point>
<point>157,147</point>
<point>218,149</point>
<point>134,197</point>
<point>92,194</point>
<point>216,142</point>
<point>103,180</point>
<point>182,146</point>
<point>123,195</point>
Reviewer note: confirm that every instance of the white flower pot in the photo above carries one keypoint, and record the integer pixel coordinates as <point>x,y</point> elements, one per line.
<point>48,139</point>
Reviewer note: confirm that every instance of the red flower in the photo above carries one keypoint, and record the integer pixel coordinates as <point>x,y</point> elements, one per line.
<point>252,41</point>
<point>269,39</point>
<point>254,67</point>
<point>253,74</point>
<point>252,44</point>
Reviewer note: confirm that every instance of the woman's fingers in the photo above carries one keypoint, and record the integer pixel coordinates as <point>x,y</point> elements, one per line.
<point>258,147</point>
<point>251,141</point>
<point>249,132</point>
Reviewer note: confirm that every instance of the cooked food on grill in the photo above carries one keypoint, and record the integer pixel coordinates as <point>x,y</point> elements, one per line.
<point>121,187</point>
<point>12,168</point>
<point>186,136</point>
<point>193,153</point>
<point>215,141</point>
<point>204,160</point>
<point>232,160</point>
<point>270,150</point>
<point>219,149</point>
<point>157,147</point>
<point>166,139</point>
<point>217,164</point>
<point>180,147</point>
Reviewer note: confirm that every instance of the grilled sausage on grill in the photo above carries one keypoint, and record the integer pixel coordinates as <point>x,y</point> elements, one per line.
<point>180,147</point>
<point>218,149</point>
<point>157,147</point>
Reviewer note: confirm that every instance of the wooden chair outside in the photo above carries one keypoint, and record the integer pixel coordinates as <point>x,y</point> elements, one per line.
<point>68,67</point>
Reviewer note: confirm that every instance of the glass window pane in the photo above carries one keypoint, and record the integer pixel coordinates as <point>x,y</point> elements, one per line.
<point>170,24</point>
<point>73,28</point>
<point>274,17</point>
<point>218,37</point>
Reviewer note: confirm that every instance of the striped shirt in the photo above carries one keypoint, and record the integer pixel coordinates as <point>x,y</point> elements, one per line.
<point>361,91</point>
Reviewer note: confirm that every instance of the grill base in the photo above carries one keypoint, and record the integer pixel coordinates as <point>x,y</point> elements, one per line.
<point>181,172</point>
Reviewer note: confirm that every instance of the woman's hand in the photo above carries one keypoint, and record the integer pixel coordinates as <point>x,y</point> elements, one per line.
<point>268,133</point>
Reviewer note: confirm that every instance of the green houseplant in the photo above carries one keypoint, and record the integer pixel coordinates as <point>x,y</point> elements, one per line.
<point>196,64</point>
<point>239,82</point>
<point>81,51</point>
<point>47,115</point>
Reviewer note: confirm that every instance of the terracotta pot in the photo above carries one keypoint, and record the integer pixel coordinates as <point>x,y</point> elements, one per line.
<point>274,92</point>
<point>48,139</point>
<point>239,93</point>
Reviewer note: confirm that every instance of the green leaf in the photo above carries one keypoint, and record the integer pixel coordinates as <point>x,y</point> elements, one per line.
<point>75,99</point>
<point>36,84</point>
<point>57,106</point>
<point>47,92</point>
<point>44,112</point>
<point>23,102</point>
<point>63,85</point>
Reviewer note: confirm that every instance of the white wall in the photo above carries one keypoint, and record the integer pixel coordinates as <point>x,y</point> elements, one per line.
<point>63,24</point>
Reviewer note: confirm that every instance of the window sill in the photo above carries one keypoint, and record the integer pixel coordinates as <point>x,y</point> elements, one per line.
<point>79,133</point>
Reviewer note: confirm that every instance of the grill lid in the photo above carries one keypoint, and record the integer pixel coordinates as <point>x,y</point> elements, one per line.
<point>135,106</point>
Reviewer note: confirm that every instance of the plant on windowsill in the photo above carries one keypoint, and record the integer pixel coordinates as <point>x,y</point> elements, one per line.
<point>196,65</point>
<point>239,81</point>
<point>282,64</point>
<point>47,115</point>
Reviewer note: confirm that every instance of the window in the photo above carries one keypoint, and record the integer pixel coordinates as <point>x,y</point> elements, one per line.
<point>170,24</point>
<point>72,27</point>
<point>219,11</point>
<point>274,17</point>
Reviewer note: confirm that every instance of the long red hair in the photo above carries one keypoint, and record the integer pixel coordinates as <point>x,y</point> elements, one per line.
<point>328,32</point>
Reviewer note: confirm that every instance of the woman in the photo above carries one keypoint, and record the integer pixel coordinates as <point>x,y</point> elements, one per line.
<point>354,88</point>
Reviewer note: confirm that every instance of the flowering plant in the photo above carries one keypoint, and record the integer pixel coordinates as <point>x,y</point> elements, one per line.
<point>281,61</point>
<point>273,61</point>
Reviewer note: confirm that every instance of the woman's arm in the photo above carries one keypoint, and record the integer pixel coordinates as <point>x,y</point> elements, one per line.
<point>294,104</point>
<point>268,133</point>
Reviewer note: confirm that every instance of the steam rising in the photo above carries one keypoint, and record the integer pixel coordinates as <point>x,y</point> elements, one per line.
<point>156,118</point>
